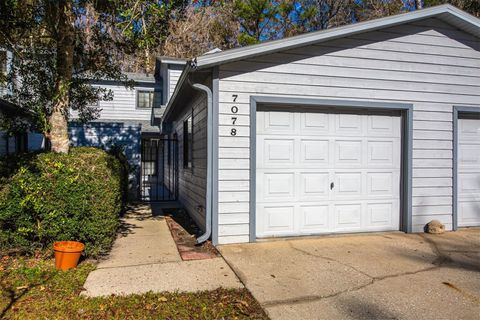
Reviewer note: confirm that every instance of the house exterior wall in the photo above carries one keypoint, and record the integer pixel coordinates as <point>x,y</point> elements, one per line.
<point>105,135</point>
<point>174,72</point>
<point>35,142</point>
<point>192,181</point>
<point>123,106</point>
<point>120,123</point>
<point>429,64</point>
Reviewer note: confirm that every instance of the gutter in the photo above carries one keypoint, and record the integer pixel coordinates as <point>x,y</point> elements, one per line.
<point>191,65</point>
<point>208,207</point>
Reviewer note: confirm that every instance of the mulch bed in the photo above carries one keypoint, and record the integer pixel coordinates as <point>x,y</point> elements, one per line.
<point>184,232</point>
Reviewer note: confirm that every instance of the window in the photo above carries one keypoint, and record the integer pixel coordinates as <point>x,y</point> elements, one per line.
<point>144,99</point>
<point>187,142</point>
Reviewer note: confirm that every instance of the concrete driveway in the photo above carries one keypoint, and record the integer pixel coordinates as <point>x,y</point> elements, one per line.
<point>379,276</point>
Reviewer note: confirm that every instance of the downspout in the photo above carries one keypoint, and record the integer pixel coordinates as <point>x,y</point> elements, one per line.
<point>208,207</point>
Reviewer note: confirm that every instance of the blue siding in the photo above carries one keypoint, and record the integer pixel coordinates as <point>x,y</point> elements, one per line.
<point>107,134</point>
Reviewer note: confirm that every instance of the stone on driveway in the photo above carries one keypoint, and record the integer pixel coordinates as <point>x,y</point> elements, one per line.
<point>378,276</point>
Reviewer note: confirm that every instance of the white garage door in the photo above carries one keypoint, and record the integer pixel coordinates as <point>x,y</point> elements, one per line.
<point>468,173</point>
<point>325,172</point>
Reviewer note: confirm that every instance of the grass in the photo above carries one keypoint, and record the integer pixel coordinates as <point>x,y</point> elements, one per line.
<point>31,288</point>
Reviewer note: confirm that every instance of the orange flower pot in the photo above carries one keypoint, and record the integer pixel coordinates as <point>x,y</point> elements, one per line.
<point>67,254</point>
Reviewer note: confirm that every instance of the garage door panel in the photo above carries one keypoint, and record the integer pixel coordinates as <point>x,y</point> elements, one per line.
<point>314,218</point>
<point>347,184</point>
<point>314,186</point>
<point>382,126</point>
<point>468,173</point>
<point>314,151</point>
<point>348,125</point>
<point>314,123</point>
<point>469,129</point>
<point>279,219</point>
<point>380,153</point>
<point>348,153</point>
<point>381,214</point>
<point>347,216</point>
<point>469,183</point>
<point>278,186</point>
<point>294,182</point>
<point>281,122</point>
<point>381,184</point>
<point>278,152</point>
<point>469,211</point>
<point>469,155</point>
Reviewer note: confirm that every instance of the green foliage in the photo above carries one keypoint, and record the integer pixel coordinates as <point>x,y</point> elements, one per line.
<point>255,17</point>
<point>10,164</point>
<point>470,6</point>
<point>41,78</point>
<point>74,196</point>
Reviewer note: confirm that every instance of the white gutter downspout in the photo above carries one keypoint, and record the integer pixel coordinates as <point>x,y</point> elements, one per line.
<point>208,207</point>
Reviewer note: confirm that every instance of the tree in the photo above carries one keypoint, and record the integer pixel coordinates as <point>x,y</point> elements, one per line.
<point>57,51</point>
<point>256,17</point>
<point>470,6</point>
<point>201,29</point>
<point>145,24</point>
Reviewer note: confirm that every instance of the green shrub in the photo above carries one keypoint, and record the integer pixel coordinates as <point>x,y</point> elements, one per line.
<point>10,164</point>
<point>75,196</point>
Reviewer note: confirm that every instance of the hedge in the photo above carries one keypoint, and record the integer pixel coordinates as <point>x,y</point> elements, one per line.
<point>75,196</point>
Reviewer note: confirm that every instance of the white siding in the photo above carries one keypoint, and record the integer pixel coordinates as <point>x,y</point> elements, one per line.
<point>192,181</point>
<point>174,73</point>
<point>123,106</point>
<point>429,64</point>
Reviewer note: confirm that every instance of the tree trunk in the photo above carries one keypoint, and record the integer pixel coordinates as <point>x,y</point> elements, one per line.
<point>58,133</point>
<point>419,4</point>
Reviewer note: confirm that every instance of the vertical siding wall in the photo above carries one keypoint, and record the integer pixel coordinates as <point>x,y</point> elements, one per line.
<point>192,181</point>
<point>429,64</point>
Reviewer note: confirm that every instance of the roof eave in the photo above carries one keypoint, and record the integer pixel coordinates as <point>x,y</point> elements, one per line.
<point>334,33</point>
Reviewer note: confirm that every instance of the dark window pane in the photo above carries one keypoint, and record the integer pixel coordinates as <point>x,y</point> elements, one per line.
<point>144,99</point>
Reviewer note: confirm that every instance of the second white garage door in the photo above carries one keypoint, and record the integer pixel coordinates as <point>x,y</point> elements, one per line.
<point>468,172</point>
<point>327,172</point>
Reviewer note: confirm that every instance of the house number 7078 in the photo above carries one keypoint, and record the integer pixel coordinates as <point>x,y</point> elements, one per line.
<point>234,109</point>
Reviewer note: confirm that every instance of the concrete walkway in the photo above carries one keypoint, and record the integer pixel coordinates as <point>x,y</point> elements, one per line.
<point>145,258</point>
<point>379,276</point>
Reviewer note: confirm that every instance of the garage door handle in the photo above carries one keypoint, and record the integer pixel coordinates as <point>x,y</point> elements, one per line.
<point>332,185</point>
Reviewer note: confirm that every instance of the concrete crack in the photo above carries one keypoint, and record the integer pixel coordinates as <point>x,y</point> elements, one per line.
<point>332,260</point>
<point>437,264</point>
<point>373,280</point>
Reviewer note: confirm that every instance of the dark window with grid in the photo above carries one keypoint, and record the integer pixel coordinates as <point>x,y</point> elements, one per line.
<point>144,99</point>
<point>187,142</point>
